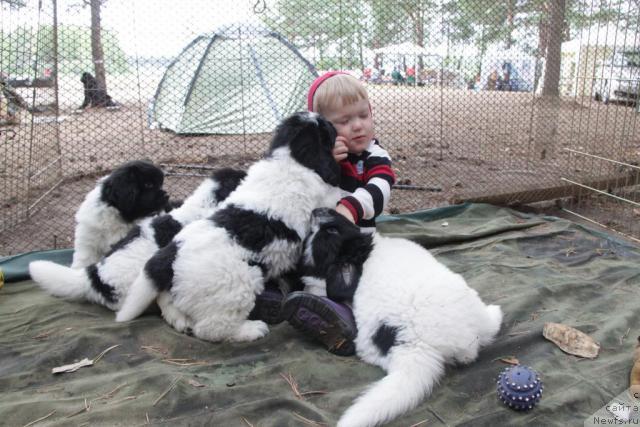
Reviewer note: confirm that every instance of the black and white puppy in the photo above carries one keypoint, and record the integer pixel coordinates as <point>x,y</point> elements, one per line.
<point>107,282</point>
<point>412,313</point>
<point>131,192</point>
<point>206,280</point>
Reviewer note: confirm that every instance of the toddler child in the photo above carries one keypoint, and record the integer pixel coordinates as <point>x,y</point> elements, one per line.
<point>366,181</point>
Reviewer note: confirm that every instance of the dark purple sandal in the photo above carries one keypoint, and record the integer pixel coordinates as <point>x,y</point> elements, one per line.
<point>324,320</point>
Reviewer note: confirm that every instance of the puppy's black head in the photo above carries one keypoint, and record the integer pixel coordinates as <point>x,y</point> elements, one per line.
<point>335,250</point>
<point>310,139</point>
<point>135,190</point>
<point>86,78</point>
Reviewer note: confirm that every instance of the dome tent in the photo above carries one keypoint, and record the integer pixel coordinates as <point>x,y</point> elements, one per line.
<point>242,78</point>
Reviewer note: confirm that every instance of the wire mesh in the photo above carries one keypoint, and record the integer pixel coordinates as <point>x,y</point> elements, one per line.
<point>500,101</point>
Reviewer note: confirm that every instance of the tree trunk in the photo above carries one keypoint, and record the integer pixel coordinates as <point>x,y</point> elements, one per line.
<point>96,45</point>
<point>556,26</point>
<point>547,107</point>
<point>419,34</point>
<point>511,13</point>
<point>543,31</point>
<point>543,42</point>
<point>360,49</point>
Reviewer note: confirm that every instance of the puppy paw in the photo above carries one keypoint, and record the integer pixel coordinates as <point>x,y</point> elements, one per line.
<point>251,330</point>
<point>467,356</point>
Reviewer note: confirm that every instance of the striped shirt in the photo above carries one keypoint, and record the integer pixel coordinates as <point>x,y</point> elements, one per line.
<point>367,179</point>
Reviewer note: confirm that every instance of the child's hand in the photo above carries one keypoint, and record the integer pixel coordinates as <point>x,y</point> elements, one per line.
<point>342,210</point>
<point>340,150</point>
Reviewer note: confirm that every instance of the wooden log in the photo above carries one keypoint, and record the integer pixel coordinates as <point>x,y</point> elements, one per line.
<point>524,197</point>
<point>32,83</point>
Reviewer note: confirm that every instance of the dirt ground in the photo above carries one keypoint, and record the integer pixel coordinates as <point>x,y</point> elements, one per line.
<point>447,145</point>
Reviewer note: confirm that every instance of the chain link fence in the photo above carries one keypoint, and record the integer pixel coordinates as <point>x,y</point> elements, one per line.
<point>509,102</point>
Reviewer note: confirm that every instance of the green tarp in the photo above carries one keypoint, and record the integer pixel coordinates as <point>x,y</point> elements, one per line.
<point>539,269</point>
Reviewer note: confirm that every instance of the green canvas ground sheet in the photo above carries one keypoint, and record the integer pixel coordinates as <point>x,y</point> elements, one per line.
<point>539,269</point>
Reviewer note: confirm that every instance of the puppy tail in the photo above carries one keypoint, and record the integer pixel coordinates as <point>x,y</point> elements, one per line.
<point>411,376</point>
<point>142,293</point>
<point>493,326</point>
<point>59,280</point>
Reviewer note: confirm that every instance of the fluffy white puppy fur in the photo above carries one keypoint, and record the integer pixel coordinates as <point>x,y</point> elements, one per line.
<point>107,282</point>
<point>207,278</point>
<point>413,314</point>
<point>131,192</point>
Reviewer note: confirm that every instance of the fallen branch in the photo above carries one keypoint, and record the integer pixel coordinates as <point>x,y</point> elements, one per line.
<point>624,337</point>
<point>72,367</point>
<point>49,390</point>
<point>195,383</point>
<point>40,419</point>
<point>85,409</point>
<point>515,334</point>
<point>43,334</point>
<point>308,421</point>
<point>435,414</point>
<point>95,360</point>
<point>124,399</point>
<point>185,362</point>
<point>293,384</point>
<point>110,394</point>
<point>155,349</point>
<point>310,393</point>
<point>164,393</point>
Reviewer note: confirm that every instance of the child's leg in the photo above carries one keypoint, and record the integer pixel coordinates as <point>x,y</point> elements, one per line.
<point>326,321</point>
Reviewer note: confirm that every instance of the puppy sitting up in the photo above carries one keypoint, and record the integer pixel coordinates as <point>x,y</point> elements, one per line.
<point>412,313</point>
<point>93,95</point>
<point>131,192</point>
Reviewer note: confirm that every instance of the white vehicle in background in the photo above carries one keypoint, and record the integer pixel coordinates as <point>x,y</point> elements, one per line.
<point>618,78</point>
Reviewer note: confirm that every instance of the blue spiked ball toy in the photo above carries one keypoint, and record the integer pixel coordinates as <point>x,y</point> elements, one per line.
<point>519,387</point>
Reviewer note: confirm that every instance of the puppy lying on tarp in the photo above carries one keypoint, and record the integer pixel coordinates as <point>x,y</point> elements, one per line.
<point>413,314</point>
<point>206,280</point>
<point>107,281</point>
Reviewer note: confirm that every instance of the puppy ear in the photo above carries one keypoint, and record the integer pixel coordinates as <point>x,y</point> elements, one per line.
<point>312,147</point>
<point>342,281</point>
<point>344,274</point>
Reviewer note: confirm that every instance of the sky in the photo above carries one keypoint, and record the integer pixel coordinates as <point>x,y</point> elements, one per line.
<point>146,27</point>
<point>162,28</point>
<point>165,27</point>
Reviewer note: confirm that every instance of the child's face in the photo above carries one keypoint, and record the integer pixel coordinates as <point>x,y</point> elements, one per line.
<point>354,124</point>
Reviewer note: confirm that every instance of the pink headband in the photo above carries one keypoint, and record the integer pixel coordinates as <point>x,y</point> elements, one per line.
<point>316,83</point>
